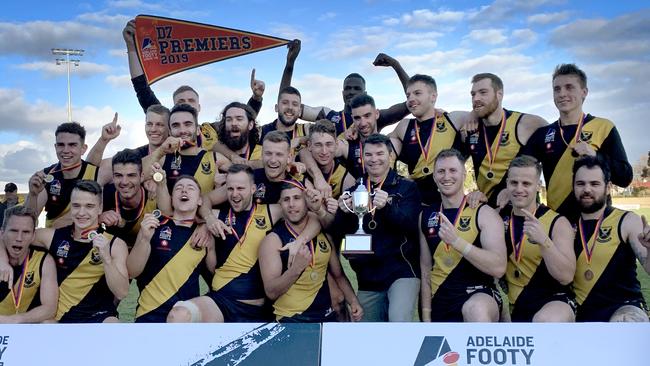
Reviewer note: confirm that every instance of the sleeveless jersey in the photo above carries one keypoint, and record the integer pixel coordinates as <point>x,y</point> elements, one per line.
<point>508,149</point>
<point>297,131</point>
<point>132,217</point>
<point>528,278</point>
<point>237,274</point>
<point>354,161</point>
<point>341,120</point>
<point>201,166</point>
<point>268,192</point>
<point>309,296</point>
<point>610,277</point>
<point>451,273</point>
<point>208,136</point>
<point>336,178</point>
<point>60,189</point>
<point>30,297</point>
<point>171,273</point>
<point>83,289</point>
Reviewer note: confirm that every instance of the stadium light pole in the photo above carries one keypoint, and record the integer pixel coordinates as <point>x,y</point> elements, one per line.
<point>67,53</point>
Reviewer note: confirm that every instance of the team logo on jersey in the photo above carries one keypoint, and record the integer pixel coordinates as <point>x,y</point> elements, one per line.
<point>322,245</point>
<point>505,139</point>
<point>63,249</point>
<point>336,118</point>
<point>586,136</point>
<point>176,163</point>
<point>506,222</point>
<point>260,192</point>
<point>205,131</point>
<point>433,223</point>
<point>463,223</point>
<point>29,279</point>
<point>95,259</point>
<point>165,233</point>
<point>413,136</point>
<point>473,138</point>
<point>206,167</point>
<point>55,187</point>
<point>604,234</point>
<point>441,126</point>
<point>550,136</point>
<point>260,222</point>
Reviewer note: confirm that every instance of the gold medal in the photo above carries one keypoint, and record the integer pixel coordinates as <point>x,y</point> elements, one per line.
<point>490,175</point>
<point>157,177</point>
<point>425,170</point>
<point>48,178</point>
<point>589,275</point>
<point>372,224</point>
<point>121,223</point>
<point>92,235</point>
<point>156,213</point>
<point>314,276</point>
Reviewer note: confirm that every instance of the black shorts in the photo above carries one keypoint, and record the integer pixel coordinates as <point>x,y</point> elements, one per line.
<point>604,313</point>
<point>328,317</point>
<point>238,312</point>
<point>450,309</point>
<point>525,311</point>
<point>87,317</point>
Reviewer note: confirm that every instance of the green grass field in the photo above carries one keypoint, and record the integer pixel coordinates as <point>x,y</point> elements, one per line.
<point>128,305</point>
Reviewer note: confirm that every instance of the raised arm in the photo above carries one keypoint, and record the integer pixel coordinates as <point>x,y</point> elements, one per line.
<point>292,55</point>
<point>146,96</point>
<point>383,59</point>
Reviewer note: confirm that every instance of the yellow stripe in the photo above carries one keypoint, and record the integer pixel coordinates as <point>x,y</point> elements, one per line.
<point>7,306</point>
<point>502,160</point>
<point>561,183</point>
<point>205,171</point>
<point>443,139</point>
<point>257,153</point>
<point>89,174</point>
<point>209,136</point>
<point>602,254</point>
<point>170,279</point>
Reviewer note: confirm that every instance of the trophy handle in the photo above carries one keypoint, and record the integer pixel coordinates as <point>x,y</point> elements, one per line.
<point>347,193</point>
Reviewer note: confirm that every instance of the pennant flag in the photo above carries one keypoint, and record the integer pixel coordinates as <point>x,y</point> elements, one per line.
<point>168,46</point>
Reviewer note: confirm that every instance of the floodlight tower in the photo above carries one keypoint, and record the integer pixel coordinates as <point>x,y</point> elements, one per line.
<point>68,52</point>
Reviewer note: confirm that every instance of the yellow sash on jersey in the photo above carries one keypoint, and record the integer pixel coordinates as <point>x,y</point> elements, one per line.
<point>204,173</point>
<point>256,154</point>
<point>79,283</point>
<point>244,256</point>
<point>607,242</point>
<point>209,136</point>
<point>169,279</point>
<point>594,132</point>
<point>337,179</point>
<point>443,138</point>
<point>508,149</point>
<point>531,257</point>
<point>30,287</point>
<point>444,262</point>
<point>89,174</point>
<point>302,293</point>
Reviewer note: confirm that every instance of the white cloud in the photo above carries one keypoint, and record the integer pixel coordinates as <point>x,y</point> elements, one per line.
<point>390,22</point>
<point>487,36</point>
<point>327,16</point>
<point>288,31</point>
<point>120,81</point>
<point>524,36</point>
<point>51,69</point>
<point>548,18</point>
<point>501,10</point>
<point>425,18</point>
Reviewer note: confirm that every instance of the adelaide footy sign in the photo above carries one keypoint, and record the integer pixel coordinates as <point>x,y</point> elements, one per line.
<point>168,46</point>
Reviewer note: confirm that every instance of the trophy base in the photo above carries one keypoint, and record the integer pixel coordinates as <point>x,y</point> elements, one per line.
<point>356,244</point>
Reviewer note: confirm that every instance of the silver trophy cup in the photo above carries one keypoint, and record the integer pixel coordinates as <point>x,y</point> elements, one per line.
<point>360,242</point>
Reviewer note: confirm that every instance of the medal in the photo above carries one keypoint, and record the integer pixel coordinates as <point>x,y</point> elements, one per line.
<point>576,137</point>
<point>295,234</point>
<point>314,276</point>
<point>517,273</point>
<point>589,249</point>
<point>425,150</point>
<point>459,211</point>
<point>372,224</point>
<point>449,261</point>
<point>491,155</point>
<point>589,275</point>
<point>48,178</point>
<point>157,177</point>
<point>490,175</point>
<point>156,213</point>
<point>92,235</point>
<point>425,170</point>
<point>121,223</point>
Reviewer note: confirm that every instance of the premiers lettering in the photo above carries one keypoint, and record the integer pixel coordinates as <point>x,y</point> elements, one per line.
<point>173,50</point>
<point>491,350</point>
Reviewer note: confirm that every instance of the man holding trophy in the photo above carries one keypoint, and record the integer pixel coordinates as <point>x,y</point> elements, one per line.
<point>384,259</point>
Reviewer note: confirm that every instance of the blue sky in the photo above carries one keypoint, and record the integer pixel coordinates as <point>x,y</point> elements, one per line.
<point>521,41</point>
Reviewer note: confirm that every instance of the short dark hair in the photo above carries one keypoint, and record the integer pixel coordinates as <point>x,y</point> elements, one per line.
<point>571,69</point>
<point>19,210</point>
<point>89,186</point>
<point>354,75</point>
<point>379,139</point>
<point>426,79</point>
<point>289,90</point>
<point>323,126</point>
<point>277,137</point>
<point>361,100</point>
<point>159,109</point>
<point>184,88</point>
<point>71,127</point>
<point>238,168</point>
<point>290,184</point>
<point>253,136</point>
<point>10,187</point>
<point>128,156</point>
<point>591,162</point>
<point>526,161</point>
<point>497,83</point>
<point>184,108</point>
<point>450,153</point>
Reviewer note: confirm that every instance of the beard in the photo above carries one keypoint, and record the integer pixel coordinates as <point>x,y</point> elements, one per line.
<point>489,108</point>
<point>285,122</point>
<point>236,143</point>
<point>597,204</point>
